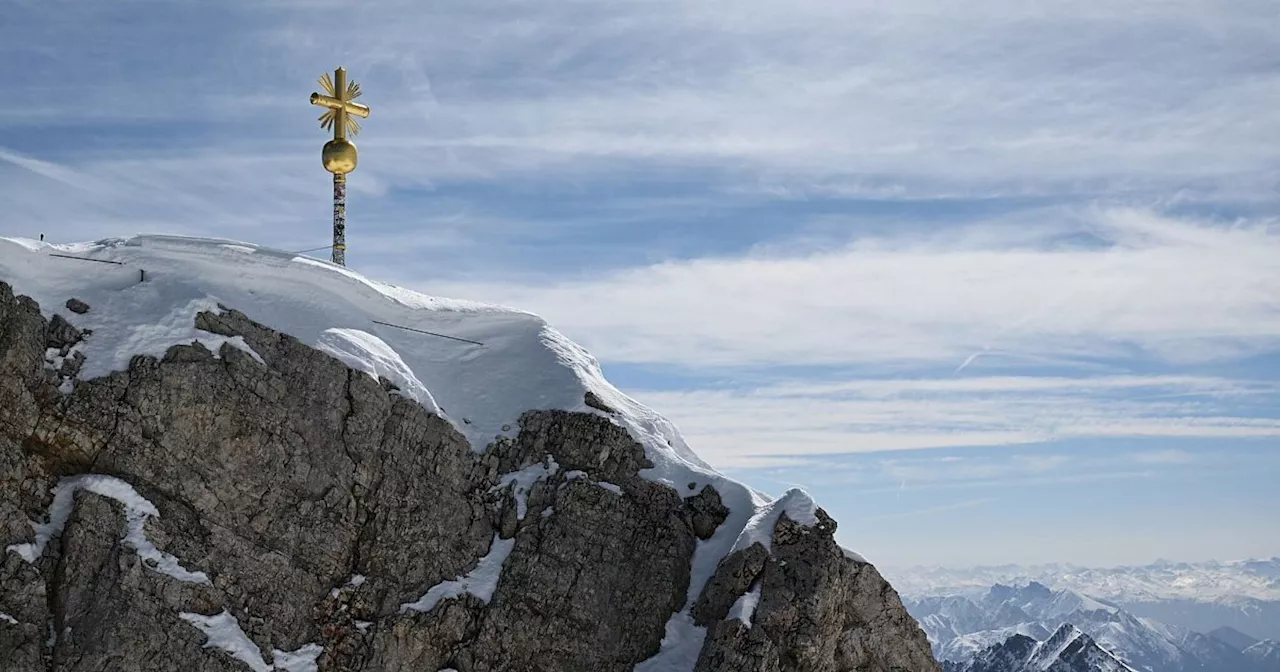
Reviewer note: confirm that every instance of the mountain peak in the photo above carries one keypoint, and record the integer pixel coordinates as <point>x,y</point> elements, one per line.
<point>1068,649</point>
<point>1060,642</point>
<point>1232,637</point>
<point>297,473</point>
<point>1001,591</point>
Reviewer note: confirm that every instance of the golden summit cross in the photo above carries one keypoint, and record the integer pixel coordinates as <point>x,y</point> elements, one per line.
<point>339,154</point>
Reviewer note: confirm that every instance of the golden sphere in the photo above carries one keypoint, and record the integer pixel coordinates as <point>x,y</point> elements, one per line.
<point>339,156</point>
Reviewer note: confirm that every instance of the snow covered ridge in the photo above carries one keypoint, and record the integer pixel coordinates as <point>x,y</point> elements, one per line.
<point>497,364</point>
<point>1051,650</point>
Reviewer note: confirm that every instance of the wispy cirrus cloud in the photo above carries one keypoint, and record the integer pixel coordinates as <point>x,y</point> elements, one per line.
<point>964,504</point>
<point>918,99</point>
<point>1126,283</point>
<point>801,423</point>
<point>905,476</point>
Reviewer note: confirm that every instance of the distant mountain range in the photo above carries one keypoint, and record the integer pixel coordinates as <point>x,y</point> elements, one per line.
<point>1034,627</point>
<point>1201,597</point>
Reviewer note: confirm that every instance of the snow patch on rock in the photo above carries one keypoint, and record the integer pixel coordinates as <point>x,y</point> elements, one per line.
<point>681,644</point>
<point>137,511</point>
<point>481,581</point>
<point>745,606</point>
<point>615,489</point>
<point>575,475</point>
<point>355,581</point>
<point>53,357</point>
<point>222,631</point>
<point>524,480</point>
<point>302,660</point>
<point>214,343</point>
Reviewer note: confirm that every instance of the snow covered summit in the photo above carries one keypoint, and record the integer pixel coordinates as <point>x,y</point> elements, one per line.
<point>522,364</point>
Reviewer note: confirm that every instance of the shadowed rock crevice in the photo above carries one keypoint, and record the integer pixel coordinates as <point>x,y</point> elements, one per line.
<point>318,501</point>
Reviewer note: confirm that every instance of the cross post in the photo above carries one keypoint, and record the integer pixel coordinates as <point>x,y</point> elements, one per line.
<point>339,155</point>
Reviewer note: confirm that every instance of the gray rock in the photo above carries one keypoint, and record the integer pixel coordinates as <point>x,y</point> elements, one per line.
<point>62,334</point>
<point>593,400</point>
<point>819,611</point>
<point>23,600</point>
<point>733,577</point>
<point>77,306</point>
<point>281,481</point>
<point>706,512</point>
<point>71,364</point>
<point>103,596</point>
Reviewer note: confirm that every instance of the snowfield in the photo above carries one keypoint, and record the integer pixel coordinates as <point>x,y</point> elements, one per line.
<point>496,364</point>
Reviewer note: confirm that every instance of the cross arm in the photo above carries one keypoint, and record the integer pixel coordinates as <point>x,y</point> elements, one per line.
<point>332,103</point>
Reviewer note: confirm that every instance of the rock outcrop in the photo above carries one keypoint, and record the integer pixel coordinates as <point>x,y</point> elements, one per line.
<point>269,508</point>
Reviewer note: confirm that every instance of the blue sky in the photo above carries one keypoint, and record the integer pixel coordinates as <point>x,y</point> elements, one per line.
<point>997,282</point>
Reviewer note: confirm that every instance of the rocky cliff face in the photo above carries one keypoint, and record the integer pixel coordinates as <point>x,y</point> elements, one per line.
<point>269,508</point>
